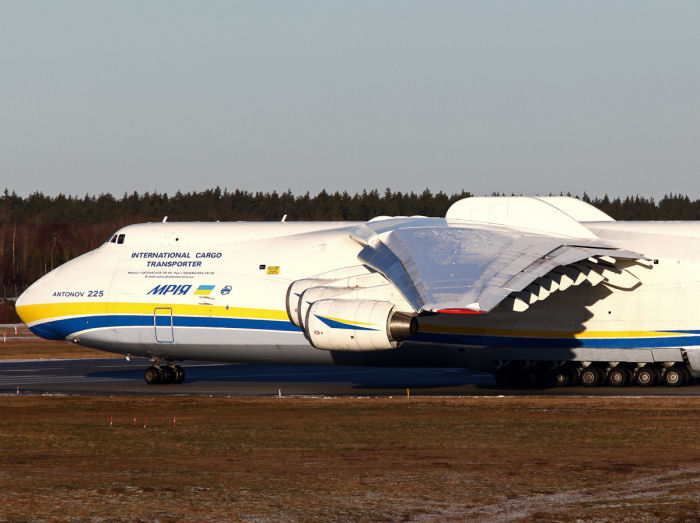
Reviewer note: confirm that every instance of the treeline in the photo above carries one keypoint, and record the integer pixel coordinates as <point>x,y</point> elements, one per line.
<point>40,232</point>
<point>670,207</point>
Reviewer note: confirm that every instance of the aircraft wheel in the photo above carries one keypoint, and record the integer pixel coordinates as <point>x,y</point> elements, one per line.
<point>687,377</point>
<point>591,376</point>
<point>647,376</point>
<point>619,377</point>
<point>630,375</point>
<point>536,377</point>
<point>179,374</point>
<point>152,375</point>
<point>563,377</point>
<point>168,375</point>
<point>673,377</point>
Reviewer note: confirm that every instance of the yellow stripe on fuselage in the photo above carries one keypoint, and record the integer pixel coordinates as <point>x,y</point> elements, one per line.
<point>519,333</point>
<point>46,311</point>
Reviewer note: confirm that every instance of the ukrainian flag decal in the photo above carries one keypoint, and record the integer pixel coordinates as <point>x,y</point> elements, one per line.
<point>204,290</point>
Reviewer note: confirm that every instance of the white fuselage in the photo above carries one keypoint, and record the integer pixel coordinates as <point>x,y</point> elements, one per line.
<point>216,291</point>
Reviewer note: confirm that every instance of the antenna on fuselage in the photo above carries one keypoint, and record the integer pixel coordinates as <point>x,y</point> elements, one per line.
<point>284,218</point>
<point>165,219</point>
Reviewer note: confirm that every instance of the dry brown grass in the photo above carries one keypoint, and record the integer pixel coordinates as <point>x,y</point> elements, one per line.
<point>521,459</point>
<point>22,344</point>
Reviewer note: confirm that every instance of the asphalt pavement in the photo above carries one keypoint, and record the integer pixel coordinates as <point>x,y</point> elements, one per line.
<point>114,376</point>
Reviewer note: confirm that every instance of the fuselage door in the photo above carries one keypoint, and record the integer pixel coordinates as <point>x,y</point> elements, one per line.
<point>163,324</point>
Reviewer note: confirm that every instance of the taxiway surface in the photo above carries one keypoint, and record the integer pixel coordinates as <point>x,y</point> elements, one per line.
<point>117,376</point>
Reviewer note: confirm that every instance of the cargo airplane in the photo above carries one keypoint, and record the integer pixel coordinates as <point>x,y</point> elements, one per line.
<point>537,290</point>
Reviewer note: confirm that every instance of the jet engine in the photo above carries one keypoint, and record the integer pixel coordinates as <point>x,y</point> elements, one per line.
<point>357,325</point>
<point>302,293</point>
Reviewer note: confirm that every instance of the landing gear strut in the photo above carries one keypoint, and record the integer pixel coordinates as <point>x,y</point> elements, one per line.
<point>170,373</point>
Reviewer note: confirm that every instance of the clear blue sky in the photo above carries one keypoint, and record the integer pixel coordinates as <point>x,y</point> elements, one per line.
<point>525,97</point>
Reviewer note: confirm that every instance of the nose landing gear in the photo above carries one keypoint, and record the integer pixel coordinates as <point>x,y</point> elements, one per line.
<point>161,375</point>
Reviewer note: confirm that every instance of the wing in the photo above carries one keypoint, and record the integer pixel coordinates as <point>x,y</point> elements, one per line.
<point>442,264</point>
<point>484,253</point>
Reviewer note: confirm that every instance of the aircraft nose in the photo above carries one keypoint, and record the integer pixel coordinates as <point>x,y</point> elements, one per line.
<point>32,309</point>
<point>53,305</point>
<point>23,304</point>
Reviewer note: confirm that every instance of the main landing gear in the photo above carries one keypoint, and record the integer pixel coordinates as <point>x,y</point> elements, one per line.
<point>158,374</point>
<point>515,374</point>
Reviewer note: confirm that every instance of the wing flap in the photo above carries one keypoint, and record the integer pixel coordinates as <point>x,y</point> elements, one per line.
<point>439,264</point>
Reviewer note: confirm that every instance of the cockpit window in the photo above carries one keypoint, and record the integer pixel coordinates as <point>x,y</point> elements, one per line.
<point>117,238</point>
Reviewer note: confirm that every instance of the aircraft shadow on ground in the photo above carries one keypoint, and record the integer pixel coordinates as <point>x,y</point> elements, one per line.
<point>359,377</point>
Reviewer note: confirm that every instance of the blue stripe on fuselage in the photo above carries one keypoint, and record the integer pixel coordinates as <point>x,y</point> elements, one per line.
<point>60,329</point>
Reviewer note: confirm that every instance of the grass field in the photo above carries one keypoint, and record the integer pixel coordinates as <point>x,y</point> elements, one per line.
<point>516,459</point>
<point>364,459</point>
<point>20,343</point>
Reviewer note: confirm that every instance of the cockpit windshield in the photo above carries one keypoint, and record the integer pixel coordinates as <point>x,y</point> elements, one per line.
<point>117,238</point>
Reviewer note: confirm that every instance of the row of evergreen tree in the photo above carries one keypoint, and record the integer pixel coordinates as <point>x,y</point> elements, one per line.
<point>39,232</point>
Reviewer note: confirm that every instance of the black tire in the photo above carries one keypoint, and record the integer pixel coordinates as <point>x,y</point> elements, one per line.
<point>168,375</point>
<point>687,377</point>
<point>619,377</point>
<point>647,376</point>
<point>536,377</point>
<point>591,376</point>
<point>630,375</point>
<point>179,374</point>
<point>563,377</point>
<point>152,375</point>
<point>674,376</point>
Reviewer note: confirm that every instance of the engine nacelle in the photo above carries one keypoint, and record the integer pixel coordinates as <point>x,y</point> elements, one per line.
<point>343,279</point>
<point>294,292</point>
<point>314,294</point>
<point>357,325</point>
